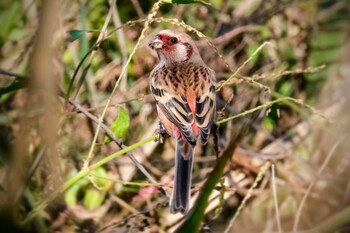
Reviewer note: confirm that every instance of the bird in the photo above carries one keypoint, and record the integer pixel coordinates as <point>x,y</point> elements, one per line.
<point>183,87</point>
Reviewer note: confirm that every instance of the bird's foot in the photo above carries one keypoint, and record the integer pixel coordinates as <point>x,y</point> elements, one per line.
<point>161,133</point>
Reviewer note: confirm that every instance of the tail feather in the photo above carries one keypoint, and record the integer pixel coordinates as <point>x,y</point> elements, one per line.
<point>180,197</point>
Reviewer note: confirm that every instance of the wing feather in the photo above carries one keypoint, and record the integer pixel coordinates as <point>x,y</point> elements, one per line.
<point>171,99</point>
<point>206,105</point>
<point>175,107</point>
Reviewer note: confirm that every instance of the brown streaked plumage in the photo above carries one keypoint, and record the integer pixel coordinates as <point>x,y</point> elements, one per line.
<point>184,89</point>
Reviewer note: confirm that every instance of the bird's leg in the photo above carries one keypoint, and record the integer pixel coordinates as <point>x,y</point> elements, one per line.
<point>161,133</point>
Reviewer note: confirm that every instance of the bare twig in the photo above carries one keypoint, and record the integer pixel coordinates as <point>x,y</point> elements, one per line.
<point>138,8</point>
<point>234,75</point>
<point>9,73</point>
<point>311,69</point>
<point>231,34</point>
<point>119,143</point>
<point>249,111</point>
<point>124,204</point>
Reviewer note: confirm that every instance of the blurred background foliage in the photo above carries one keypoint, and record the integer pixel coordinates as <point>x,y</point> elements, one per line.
<point>306,139</point>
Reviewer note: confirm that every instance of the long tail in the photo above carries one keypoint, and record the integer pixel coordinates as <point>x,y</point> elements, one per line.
<point>180,197</point>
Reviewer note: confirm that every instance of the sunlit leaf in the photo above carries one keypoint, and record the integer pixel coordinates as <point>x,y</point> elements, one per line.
<point>100,177</point>
<point>268,124</point>
<point>76,34</point>
<point>71,195</point>
<point>120,125</point>
<point>93,198</point>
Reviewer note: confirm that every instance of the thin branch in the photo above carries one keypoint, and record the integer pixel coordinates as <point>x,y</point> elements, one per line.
<point>234,75</point>
<point>124,204</point>
<point>119,143</point>
<point>252,110</point>
<point>138,8</point>
<point>9,73</point>
<point>308,70</point>
<point>141,184</point>
<point>97,121</point>
<point>231,34</point>
<point>281,98</point>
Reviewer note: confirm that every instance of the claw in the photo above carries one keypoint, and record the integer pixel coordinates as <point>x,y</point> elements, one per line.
<point>161,133</point>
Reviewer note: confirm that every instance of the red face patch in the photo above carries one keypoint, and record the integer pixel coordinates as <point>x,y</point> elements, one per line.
<point>168,41</point>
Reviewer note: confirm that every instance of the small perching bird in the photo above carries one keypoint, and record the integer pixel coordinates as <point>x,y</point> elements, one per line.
<point>184,90</point>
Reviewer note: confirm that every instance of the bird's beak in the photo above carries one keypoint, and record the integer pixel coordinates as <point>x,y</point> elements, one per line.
<point>156,44</point>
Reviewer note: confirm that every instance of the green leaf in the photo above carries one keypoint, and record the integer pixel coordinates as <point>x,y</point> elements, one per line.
<point>71,195</point>
<point>120,125</point>
<point>9,20</point>
<point>186,2</point>
<point>251,49</point>
<point>100,177</point>
<point>93,198</point>
<point>286,88</point>
<point>264,31</point>
<point>268,124</point>
<point>76,34</point>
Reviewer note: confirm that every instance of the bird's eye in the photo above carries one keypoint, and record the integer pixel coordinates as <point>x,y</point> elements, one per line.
<point>173,40</point>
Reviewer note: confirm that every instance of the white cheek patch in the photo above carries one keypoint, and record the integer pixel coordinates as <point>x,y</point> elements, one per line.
<point>181,52</point>
<point>177,53</point>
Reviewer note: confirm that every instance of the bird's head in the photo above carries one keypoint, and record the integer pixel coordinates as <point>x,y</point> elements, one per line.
<point>173,46</point>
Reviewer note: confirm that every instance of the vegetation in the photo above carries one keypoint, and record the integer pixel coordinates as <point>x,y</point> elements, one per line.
<point>79,150</point>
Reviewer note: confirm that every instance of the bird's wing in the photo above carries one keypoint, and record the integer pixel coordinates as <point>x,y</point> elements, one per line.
<point>206,103</point>
<point>172,102</point>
